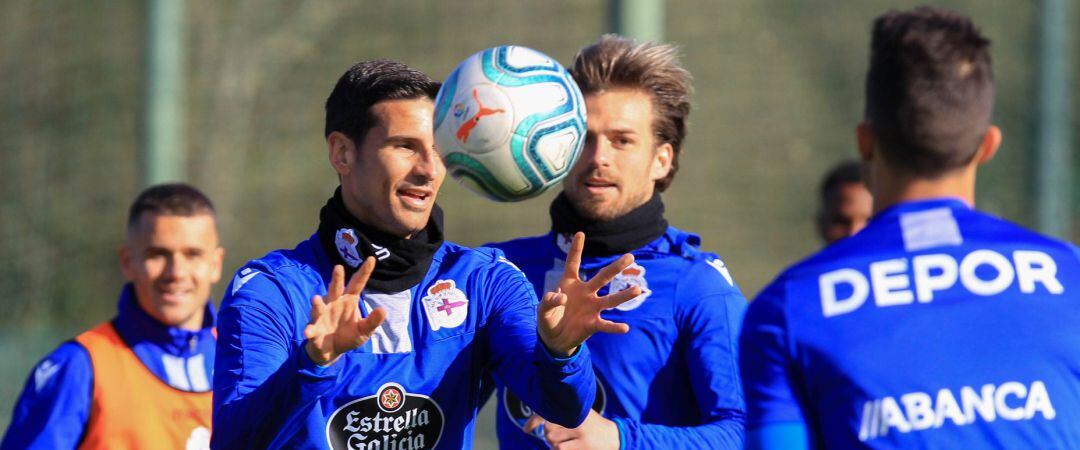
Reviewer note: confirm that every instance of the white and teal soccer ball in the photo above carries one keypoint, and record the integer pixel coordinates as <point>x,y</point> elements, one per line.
<point>509,122</point>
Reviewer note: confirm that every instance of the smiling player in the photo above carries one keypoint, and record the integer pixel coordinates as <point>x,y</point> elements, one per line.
<point>394,358</point>
<point>142,379</point>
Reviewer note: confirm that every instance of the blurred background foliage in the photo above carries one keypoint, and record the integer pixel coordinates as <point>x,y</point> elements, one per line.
<point>778,92</point>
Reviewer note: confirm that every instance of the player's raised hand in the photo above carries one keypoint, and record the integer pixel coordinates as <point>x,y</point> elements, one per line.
<point>571,314</point>
<point>336,325</point>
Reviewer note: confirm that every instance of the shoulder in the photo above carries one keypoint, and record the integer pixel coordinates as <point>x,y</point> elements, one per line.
<point>68,364</point>
<point>701,273</point>
<point>278,279</point>
<point>484,261</point>
<point>526,247</point>
<point>489,276</point>
<point>772,303</point>
<point>995,230</point>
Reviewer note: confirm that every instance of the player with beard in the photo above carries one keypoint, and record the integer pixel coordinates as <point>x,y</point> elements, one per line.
<point>393,359</point>
<point>141,379</point>
<point>672,381</point>
<point>937,325</point>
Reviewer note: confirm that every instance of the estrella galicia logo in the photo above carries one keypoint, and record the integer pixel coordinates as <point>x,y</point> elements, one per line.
<point>390,419</point>
<point>520,413</point>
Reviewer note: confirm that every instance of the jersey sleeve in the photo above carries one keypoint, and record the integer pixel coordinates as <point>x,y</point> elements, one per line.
<point>778,436</point>
<point>54,406</point>
<point>767,363</point>
<point>710,311</point>
<point>261,372</point>
<point>559,389</point>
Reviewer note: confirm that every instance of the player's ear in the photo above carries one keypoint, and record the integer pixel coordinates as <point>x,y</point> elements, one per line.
<point>127,263</point>
<point>216,258</point>
<point>662,161</point>
<point>340,151</point>
<point>865,140</point>
<point>989,146</point>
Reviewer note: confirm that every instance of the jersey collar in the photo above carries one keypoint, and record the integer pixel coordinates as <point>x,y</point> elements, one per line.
<point>954,203</point>
<point>136,327</point>
<point>673,242</point>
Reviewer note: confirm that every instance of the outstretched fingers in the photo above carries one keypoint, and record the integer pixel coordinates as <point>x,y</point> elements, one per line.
<point>366,327</point>
<point>607,326</point>
<point>551,301</point>
<point>605,275</point>
<point>337,284</point>
<point>318,309</point>
<point>360,278</point>
<point>573,257</point>
<point>612,300</point>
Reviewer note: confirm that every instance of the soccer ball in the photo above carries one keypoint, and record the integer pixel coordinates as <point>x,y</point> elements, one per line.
<point>509,123</point>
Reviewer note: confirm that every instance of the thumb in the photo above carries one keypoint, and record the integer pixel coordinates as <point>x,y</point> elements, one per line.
<point>551,301</point>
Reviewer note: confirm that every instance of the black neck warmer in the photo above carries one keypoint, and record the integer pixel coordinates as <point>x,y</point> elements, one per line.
<point>400,263</point>
<point>621,235</point>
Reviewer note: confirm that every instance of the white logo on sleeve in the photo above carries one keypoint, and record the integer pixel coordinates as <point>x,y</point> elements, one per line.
<point>43,373</point>
<point>445,305</point>
<point>722,268</point>
<point>242,278</point>
<point>507,262</point>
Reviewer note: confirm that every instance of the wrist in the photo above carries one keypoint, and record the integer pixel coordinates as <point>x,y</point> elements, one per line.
<point>316,356</point>
<point>557,351</point>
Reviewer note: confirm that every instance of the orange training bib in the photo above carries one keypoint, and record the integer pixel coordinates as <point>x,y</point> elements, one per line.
<point>132,408</point>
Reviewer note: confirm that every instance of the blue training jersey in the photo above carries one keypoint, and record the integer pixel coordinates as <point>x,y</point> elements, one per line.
<point>415,385</point>
<point>672,381</point>
<point>55,405</point>
<point>936,326</point>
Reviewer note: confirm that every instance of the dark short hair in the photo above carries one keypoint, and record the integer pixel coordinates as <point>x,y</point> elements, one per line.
<point>172,199</point>
<point>348,109</point>
<point>614,62</point>
<point>845,173</point>
<point>929,89</point>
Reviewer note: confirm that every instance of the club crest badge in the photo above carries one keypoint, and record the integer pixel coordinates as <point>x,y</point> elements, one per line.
<point>445,305</point>
<point>345,240</point>
<point>390,419</point>
<point>632,275</point>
